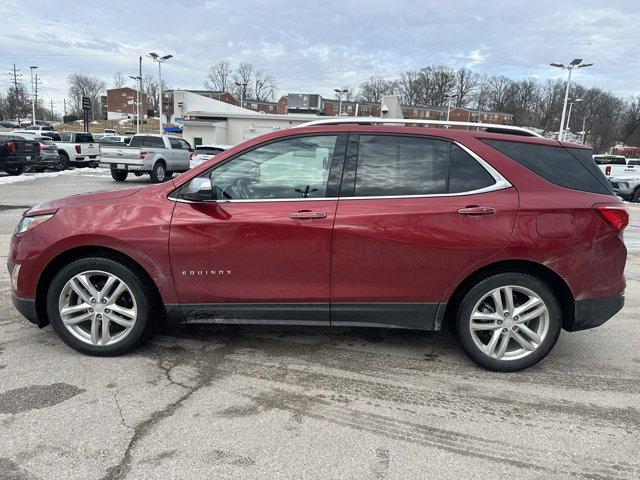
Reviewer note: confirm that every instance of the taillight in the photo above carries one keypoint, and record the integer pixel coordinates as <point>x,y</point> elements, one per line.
<point>43,147</point>
<point>11,146</point>
<point>142,155</point>
<point>616,215</point>
<point>607,170</point>
<point>77,148</point>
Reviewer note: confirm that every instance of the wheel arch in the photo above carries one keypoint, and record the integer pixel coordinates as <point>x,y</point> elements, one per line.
<point>556,283</point>
<point>77,253</point>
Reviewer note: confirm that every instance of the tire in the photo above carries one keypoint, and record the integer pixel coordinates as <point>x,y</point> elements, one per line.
<point>507,326</point>
<point>79,336</point>
<point>635,197</point>
<point>119,175</point>
<point>158,174</point>
<point>15,171</point>
<point>63,164</point>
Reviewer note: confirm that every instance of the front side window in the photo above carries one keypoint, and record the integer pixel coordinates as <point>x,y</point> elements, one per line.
<point>391,165</point>
<point>175,144</point>
<point>288,169</point>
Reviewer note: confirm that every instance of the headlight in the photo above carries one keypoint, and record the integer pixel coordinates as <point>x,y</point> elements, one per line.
<point>27,223</point>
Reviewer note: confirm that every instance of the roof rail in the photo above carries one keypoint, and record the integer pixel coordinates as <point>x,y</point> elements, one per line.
<point>491,127</point>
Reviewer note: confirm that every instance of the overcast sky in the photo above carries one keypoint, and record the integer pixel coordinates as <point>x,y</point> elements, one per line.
<point>317,46</point>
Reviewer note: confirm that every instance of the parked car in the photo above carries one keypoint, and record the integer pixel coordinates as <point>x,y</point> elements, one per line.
<point>79,149</point>
<point>202,153</point>
<point>614,165</point>
<point>158,155</point>
<point>49,156</point>
<point>402,227</point>
<point>112,140</point>
<point>39,128</point>
<point>9,124</point>
<point>17,153</point>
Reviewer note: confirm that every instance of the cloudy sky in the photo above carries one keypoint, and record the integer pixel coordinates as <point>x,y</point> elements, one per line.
<point>317,46</point>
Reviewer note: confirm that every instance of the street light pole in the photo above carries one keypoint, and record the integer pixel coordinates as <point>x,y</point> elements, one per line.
<point>137,79</point>
<point>242,87</point>
<point>567,129</point>
<point>575,63</point>
<point>449,98</point>
<point>339,92</point>
<point>160,60</point>
<point>33,97</point>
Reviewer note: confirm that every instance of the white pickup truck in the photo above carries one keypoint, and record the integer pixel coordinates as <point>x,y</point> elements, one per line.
<point>79,149</point>
<point>158,155</point>
<point>615,165</point>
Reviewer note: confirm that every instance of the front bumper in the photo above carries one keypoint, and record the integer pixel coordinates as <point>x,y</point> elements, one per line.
<point>26,307</point>
<point>593,312</point>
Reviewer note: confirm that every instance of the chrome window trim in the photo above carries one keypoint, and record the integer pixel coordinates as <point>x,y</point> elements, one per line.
<point>501,184</point>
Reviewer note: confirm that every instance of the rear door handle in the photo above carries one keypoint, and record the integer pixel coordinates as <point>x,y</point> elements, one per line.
<point>475,210</point>
<point>307,215</point>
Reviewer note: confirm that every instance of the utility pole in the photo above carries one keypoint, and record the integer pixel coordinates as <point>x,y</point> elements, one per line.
<point>36,100</point>
<point>15,86</point>
<point>52,109</point>
<point>33,98</point>
<point>64,107</point>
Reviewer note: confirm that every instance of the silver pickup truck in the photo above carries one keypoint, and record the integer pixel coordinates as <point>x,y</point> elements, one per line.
<point>158,155</point>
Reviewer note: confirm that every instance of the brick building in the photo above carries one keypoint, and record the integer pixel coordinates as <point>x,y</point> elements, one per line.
<point>121,103</point>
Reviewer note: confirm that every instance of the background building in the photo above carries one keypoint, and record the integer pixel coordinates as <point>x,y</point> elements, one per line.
<point>121,103</point>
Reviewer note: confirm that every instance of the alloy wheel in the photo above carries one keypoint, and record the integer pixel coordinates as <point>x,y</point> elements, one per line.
<point>509,322</point>
<point>98,308</point>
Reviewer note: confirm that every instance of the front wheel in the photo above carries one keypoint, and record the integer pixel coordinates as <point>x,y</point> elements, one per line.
<point>99,306</point>
<point>635,198</point>
<point>119,175</point>
<point>508,322</point>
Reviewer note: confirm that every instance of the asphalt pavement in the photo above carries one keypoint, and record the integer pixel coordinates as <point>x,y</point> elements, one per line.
<point>258,402</point>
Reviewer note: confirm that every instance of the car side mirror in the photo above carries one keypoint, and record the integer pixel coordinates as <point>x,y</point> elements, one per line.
<point>198,190</point>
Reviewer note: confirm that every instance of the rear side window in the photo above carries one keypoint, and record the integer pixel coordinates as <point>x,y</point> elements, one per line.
<point>466,174</point>
<point>557,165</point>
<point>153,142</point>
<point>400,165</point>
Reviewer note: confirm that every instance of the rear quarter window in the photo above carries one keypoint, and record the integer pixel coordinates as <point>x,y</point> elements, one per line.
<point>570,168</point>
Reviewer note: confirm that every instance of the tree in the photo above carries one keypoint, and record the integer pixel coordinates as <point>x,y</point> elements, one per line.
<point>219,77</point>
<point>466,83</point>
<point>118,80</point>
<point>408,87</point>
<point>631,122</point>
<point>151,88</point>
<point>16,104</point>
<point>243,80</point>
<point>85,86</point>
<point>264,85</point>
<point>373,88</point>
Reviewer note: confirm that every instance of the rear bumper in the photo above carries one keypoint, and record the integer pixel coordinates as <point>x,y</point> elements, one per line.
<point>26,307</point>
<point>593,312</point>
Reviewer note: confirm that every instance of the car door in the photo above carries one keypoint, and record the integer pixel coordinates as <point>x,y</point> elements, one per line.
<point>175,154</point>
<point>250,238</point>
<point>414,212</point>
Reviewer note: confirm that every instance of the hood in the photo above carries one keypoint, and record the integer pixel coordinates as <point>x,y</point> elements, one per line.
<point>53,205</point>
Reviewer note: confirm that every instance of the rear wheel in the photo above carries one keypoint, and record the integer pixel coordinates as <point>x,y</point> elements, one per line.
<point>99,306</point>
<point>508,322</point>
<point>635,198</point>
<point>14,170</point>
<point>119,175</point>
<point>158,173</point>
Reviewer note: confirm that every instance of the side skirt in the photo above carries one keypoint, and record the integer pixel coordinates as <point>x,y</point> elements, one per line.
<point>409,315</point>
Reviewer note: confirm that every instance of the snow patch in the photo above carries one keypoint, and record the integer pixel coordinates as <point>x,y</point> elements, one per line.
<point>35,176</point>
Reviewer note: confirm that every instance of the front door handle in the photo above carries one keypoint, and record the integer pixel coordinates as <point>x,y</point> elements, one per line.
<point>307,215</point>
<point>475,210</point>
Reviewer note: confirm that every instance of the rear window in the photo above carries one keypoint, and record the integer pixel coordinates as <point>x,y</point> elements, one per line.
<point>84,138</point>
<point>136,142</point>
<point>570,168</point>
<point>45,141</point>
<point>208,151</point>
<point>607,160</point>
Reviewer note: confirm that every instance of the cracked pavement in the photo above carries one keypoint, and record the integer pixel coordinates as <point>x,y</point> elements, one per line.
<point>271,402</point>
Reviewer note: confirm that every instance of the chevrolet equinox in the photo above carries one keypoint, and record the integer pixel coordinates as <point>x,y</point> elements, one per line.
<point>502,235</point>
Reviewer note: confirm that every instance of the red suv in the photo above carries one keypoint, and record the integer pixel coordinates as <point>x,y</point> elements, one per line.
<point>502,235</point>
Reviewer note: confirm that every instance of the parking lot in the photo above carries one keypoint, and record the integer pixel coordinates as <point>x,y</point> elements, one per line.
<point>252,402</point>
